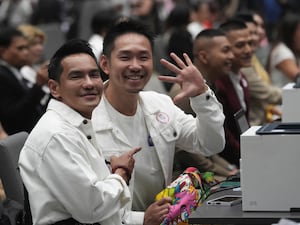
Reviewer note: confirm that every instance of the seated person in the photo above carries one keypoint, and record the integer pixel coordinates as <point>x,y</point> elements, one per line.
<point>66,176</point>
<point>129,116</point>
<point>284,57</point>
<point>213,57</point>
<point>232,90</point>
<point>20,106</point>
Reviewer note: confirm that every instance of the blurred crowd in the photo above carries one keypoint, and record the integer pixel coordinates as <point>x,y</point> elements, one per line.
<point>74,17</point>
<point>69,13</point>
<point>176,24</point>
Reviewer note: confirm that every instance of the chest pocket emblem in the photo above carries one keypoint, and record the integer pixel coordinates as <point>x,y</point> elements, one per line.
<point>162,117</point>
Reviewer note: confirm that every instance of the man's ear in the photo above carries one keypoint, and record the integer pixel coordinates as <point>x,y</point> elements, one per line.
<point>202,56</point>
<point>103,61</point>
<point>54,88</point>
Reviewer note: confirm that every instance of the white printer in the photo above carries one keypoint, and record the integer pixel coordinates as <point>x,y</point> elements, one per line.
<point>290,103</point>
<point>270,167</point>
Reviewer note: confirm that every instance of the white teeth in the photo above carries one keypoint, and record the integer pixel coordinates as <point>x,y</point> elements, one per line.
<point>134,77</point>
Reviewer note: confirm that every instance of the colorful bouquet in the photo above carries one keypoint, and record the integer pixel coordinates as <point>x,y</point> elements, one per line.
<point>187,192</point>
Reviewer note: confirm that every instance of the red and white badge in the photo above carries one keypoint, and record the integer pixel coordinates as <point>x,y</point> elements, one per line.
<point>162,117</point>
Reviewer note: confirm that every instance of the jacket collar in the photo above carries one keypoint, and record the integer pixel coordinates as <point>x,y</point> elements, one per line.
<point>62,109</point>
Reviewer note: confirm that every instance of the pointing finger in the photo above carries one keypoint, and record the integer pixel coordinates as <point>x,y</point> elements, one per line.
<point>135,150</point>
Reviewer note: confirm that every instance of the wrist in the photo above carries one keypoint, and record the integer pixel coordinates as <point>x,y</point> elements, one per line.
<point>126,171</point>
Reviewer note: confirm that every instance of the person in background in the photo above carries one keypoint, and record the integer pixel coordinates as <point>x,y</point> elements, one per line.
<point>20,106</point>
<point>263,95</point>
<point>200,15</point>
<point>127,116</point>
<point>66,176</point>
<point>48,11</point>
<point>100,22</point>
<point>263,48</point>
<point>15,12</point>
<point>146,11</point>
<point>284,57</point>
<point>213,57</point>
<point>36,39</point>
<point>175,32</point>
<point>232,90</point>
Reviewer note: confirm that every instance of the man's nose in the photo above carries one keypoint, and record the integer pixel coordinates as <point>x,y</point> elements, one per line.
<point>135,64</point>
<point>88,82</point>
<point>230,55</point>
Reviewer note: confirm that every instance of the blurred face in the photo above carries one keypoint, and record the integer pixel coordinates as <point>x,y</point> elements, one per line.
<point>241,43</point>
<point>130,65</point>
<point>260,27</point>
<point>36,49</point>
<point>80,85</point>
<point>17,53</point>
<point>253,33</point>
<point>220,56</point>
<point>203,12</point>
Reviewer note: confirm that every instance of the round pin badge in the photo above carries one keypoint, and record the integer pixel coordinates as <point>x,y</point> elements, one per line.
<point>162,117</point>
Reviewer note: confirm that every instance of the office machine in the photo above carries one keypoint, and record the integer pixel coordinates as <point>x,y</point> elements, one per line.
<point>290,103</point>
<point>270,167</point>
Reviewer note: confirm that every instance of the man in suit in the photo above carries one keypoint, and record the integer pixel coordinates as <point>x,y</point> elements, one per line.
<point>20,106</point>
<point>263,95</point>
<point>232,90</point>
<point>213,57</point>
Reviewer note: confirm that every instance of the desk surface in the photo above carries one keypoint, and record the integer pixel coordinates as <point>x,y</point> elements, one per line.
<point>211,214</point>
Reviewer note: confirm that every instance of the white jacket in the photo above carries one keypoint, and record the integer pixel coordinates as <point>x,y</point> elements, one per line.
<point>169,127</point>
<point>65,175</point>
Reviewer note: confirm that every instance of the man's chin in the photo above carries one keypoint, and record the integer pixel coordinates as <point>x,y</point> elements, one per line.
<point>247,64</point>
<point>135,91</point>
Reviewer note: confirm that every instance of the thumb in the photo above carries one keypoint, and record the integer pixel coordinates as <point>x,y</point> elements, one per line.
<point>164,201</point>
<point>178,98</point>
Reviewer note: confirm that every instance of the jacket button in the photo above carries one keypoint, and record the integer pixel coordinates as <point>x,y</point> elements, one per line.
<point>207,97</point>
<point>89,137</point>
<point>85,122</point>
<point>175,134</point>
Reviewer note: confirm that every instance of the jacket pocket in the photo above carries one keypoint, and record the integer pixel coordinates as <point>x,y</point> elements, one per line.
<point>170,133</point>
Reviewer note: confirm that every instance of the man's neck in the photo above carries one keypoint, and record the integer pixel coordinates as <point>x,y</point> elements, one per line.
<point>209,75</point>
<point>123,103</point>
<point>205,73</point>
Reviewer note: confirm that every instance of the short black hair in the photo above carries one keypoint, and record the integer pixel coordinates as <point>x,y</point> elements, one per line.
<point>102,20</point>
<point>210,33</point>
<point>206,34</point>
<point>247,17</point>
<point>233,24</point>
<point>7,34</point>
<point>123,26</point>
<point>71,47</point>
